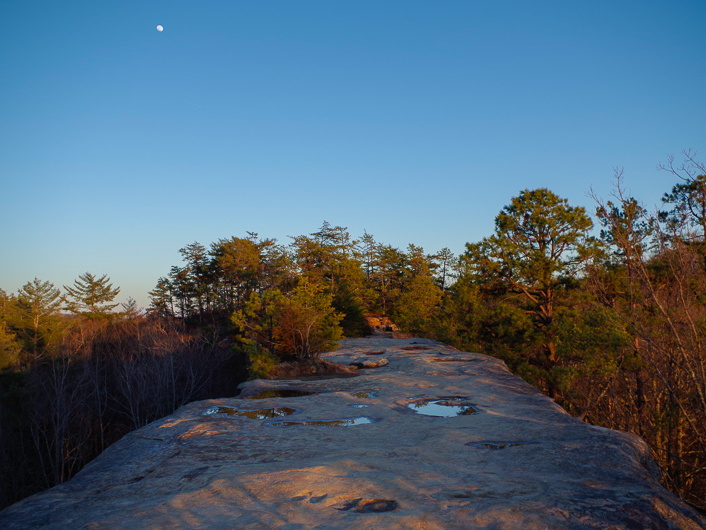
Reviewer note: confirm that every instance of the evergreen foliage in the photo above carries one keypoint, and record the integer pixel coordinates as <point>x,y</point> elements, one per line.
<point>34,318</point>
<point>419,294</point>
<point>10,348</point>
<point>91,297</point>
<point>306,323</point>
<point>540,243</point>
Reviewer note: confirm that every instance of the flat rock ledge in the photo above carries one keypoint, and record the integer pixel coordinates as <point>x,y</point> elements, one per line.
<point>434,439</point>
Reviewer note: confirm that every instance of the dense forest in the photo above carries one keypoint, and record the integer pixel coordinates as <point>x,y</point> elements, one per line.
<point>604,313</point>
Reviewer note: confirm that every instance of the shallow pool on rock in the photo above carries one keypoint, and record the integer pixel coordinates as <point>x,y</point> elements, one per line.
<point>365,394</point>
<point>442,408</point>
<point>343,422</point>
<point>282,393</point>
<point>259,414</point>
<point>495,446</point>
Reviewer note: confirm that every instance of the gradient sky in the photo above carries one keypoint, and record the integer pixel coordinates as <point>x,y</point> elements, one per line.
<point>415,121</point>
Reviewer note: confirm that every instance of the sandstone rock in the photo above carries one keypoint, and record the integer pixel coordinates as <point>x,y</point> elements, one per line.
<point>363,362</point>
<point>435,439</point>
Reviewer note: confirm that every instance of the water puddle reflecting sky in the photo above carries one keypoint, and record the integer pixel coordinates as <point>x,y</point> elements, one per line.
<point>495,446</point>
<point>442,408</point>
<point>259,414</point>
<point>365,394</point>
<point>343,422</point>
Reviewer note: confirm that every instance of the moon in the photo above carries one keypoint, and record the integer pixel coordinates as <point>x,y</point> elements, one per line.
<point>159,28</point>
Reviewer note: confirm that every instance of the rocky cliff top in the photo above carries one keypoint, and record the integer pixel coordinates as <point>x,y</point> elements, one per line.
<point>430,438</point>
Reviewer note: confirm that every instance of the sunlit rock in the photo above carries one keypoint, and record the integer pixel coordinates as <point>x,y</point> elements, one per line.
<point>364,362</point>
<point>443,439</point>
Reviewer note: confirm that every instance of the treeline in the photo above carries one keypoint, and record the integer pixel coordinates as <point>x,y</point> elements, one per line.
<point>605,313</point>
<point>290,302</point>
<point>78,373</point>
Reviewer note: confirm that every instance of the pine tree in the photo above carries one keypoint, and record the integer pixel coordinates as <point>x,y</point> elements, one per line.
<point>91,297</point>
<point>9,348</point>
<point>328,258</point>
<point>306,323</point>
<point>130,309</point>
<point>540,242</point>
<point>420,296</point>
<point>35,316</point>
<point>161,300</point>
<point>236,265</point>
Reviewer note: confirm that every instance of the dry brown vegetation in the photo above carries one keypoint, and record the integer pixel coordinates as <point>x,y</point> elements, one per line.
<point>102,380</point>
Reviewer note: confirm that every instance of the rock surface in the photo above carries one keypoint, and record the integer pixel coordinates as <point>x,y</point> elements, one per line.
<point>434,439</point>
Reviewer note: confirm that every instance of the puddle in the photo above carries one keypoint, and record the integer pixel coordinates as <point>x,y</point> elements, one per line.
<point>367,505</point>
<point>360,406</point>
<point>495,446</point>
<point>443,408</point>
<point>442,360</point>
<point>259,414</point>
<point>344,422</point>
<point>282,393</point>
<point>365,394</point>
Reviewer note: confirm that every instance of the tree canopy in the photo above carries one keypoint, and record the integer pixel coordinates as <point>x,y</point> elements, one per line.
<point>540,242</point>
<point>91,297</point>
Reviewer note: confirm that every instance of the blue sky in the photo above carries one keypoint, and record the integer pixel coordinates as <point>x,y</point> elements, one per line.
<point>415,121</point>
